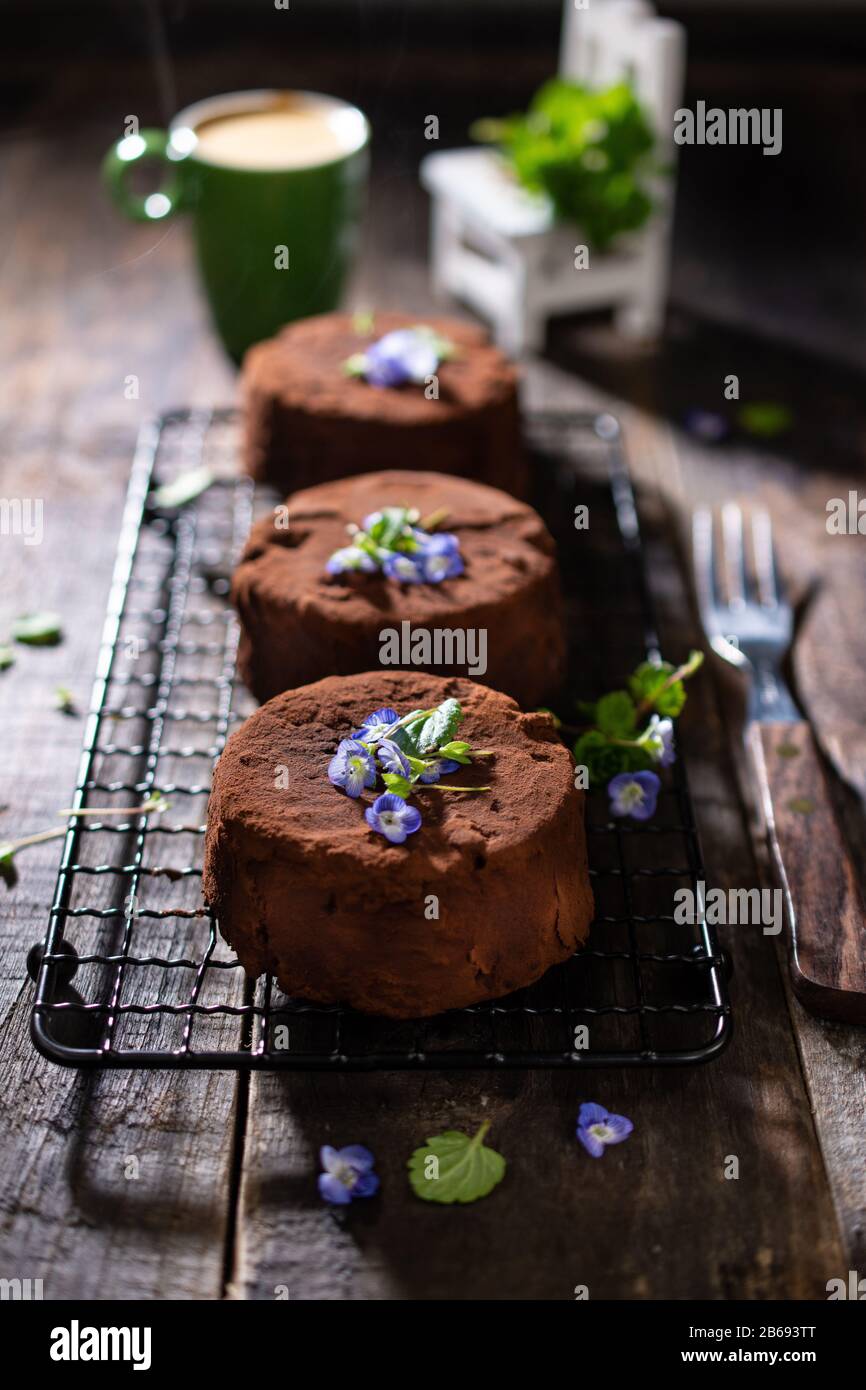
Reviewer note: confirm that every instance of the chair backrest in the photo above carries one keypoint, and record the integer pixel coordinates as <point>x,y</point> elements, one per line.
<point>605,41</point>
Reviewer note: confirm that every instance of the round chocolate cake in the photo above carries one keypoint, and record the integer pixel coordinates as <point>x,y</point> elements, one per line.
<point>489,892</point>
<point>309,419</point>
<point>499,620</point>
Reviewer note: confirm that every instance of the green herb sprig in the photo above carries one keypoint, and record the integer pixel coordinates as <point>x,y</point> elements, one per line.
<point>623,734</point>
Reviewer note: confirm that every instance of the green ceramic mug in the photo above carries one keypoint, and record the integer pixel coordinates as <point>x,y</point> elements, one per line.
<point>274,183</point>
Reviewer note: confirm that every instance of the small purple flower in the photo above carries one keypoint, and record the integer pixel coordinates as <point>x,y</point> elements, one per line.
<point>392,817</point>
<point>633,794</point>
<point>407,568</point>
<point>707,425</point>
<point>375,727</point>
<point>401,356</point>
<point>350,557</point>
<point>440,557</point>
<point>440,767</point>
<point>661,741</point>
<point>348,1174</point>
<point>393,759</point>
<point>596,1128</point>
<point>352,767</point>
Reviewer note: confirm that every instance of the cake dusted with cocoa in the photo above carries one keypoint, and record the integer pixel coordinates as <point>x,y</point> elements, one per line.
<point>340,393</point>
<point>356,876</point>
<point>401,569</point>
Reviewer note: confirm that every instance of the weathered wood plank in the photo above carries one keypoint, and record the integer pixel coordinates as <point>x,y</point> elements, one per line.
<point>113,1184</point>
<point>828,659</point>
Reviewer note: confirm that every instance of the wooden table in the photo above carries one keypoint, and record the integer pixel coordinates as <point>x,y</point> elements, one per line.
<point>221,1200</point>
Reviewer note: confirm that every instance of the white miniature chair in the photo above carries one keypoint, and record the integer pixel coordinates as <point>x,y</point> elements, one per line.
<point>499,248</point>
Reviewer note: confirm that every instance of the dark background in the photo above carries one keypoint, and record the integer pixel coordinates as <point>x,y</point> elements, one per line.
<point>772,244</point>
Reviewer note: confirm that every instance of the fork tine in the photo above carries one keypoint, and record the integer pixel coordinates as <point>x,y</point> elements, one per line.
<point>765,558</point>
<point>734,554</point>
<point>703,561</point>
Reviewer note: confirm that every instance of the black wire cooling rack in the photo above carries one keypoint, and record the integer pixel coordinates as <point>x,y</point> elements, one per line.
<point>134,972</point>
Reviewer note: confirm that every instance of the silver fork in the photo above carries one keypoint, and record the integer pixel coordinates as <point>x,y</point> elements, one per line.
<point>750,624</point>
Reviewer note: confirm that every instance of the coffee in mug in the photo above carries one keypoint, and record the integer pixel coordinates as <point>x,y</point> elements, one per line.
<point>274,184</point>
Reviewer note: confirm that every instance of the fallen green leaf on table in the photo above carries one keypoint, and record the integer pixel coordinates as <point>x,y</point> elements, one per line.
<point>765,419</point>
<point>184,488</point>
<point>38,629</point>
<point>65,700</point>
<point>451,1167</point>
<point>7,658</point>
<point>8,872</point>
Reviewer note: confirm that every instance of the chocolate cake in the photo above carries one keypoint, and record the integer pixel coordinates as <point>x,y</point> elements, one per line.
<point>503,611</point>
<point>489,892</point>
<point>308,421</point>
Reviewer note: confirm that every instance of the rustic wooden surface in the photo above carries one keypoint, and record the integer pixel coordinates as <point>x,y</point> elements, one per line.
<point>224,1204</point>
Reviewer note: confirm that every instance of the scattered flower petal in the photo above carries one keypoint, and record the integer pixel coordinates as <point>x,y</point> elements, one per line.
<point>597,1128</point>
<point>348,1174</point>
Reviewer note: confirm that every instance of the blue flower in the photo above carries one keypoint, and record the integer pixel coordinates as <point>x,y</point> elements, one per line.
<point>348,1174</point>
<point>352,767</point>
<point>596,1128</point>
<point>350,557</point>
<point>408,569</point>
<point>392,817</point>
<point>401,356</point>
<point>440,557</point>
<point>707,425</point>
<point>393,759</point>
<point>440,767</point>
<point>375,727</point>
<point>660,741</point>
<point>633,794</point>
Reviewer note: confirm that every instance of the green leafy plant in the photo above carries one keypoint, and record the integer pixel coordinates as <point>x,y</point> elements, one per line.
<point>628,730</point>
<point>589,151</point>
<point>451,1167</point>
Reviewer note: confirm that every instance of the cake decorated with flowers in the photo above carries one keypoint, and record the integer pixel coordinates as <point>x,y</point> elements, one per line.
<point>398,842</point>
<point>341,393</point>
<point>406,570</point>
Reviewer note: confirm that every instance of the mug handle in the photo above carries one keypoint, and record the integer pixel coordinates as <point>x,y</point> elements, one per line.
<point>148,207</point>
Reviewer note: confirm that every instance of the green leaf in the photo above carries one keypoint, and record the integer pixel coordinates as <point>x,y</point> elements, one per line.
<point>356,365</point>
<point>457,750</point>
<point>38,629</point>
<point>604,760</point>
<point>765,419</point>
<point>184,488</point>
<point>441,724</point>
<point>646,685</point>
<point>8,871</point>
<point>391,527</point>
<point>615,714</point>
<point>406,737</point>
<point>65,700</point>
<point>7,658</point>
<point>400,786</point>
<point>451,1167</point>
